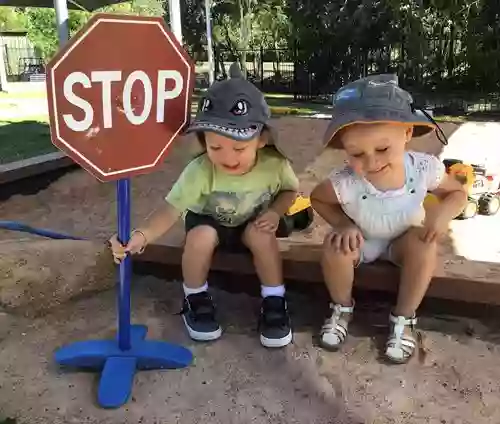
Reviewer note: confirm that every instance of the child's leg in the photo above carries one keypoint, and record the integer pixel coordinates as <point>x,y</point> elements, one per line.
<point>199,248</point>
<point>275,326</point>
<point>418,261</point>
<point>338,272</point>
<point>198,310</point>
<point>266,255</point>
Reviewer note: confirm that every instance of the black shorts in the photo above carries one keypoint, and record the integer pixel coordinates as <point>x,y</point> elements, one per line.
<point>230,238</point>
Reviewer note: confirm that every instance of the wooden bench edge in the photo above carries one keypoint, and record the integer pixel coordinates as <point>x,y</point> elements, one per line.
<point>378,276</point>
<point>36,165</point>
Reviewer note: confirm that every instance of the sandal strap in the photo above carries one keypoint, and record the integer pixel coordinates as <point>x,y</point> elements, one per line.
<point>405,343</point>
<point>339,309</point>
<point>336,324</point>
<point>400,320</point>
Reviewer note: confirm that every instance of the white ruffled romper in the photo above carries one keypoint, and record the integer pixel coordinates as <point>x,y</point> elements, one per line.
<point>383,216</point>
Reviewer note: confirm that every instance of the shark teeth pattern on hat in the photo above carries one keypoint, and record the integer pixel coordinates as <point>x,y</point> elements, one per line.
<point>235,132</point>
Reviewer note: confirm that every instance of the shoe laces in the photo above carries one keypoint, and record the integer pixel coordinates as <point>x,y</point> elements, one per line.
<point>201,306</point>
<point>274,311</point>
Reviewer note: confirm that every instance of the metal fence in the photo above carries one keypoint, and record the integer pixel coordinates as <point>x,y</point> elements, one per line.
<point>272,71</point>
<point>21,58</point>
<point>22,63</point>
<point>316,79</point>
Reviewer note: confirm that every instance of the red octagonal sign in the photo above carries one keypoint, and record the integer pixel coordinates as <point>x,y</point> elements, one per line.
<point>119,93</point>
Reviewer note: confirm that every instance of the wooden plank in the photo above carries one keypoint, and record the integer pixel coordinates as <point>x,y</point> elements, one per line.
<point>37,165</point>
<point>301,263</point>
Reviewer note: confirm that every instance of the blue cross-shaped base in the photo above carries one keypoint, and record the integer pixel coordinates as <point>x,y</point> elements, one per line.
<point>119,366</point>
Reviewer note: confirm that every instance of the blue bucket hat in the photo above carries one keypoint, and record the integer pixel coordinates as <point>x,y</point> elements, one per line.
<point>376,99</point>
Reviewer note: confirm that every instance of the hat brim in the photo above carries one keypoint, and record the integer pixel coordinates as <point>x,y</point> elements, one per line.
<point>220,126</point>
<point>344,118</point>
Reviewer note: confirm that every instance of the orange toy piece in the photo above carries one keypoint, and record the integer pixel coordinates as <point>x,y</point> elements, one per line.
<point>463,173</point>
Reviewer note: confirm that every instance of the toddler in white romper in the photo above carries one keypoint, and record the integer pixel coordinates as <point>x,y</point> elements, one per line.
<point>375,204</point>
<point>383,216</point>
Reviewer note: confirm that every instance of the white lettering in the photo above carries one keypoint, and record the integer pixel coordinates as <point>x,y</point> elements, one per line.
<point>130,105</point>
<point>71,122</point>
<point>163,94</point>
<point>106,78</point>
<point>127,97</point>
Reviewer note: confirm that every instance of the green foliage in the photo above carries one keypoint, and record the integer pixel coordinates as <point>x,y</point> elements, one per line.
<point>10,20</point>
<point>42,31</point>
<point>41,22</point>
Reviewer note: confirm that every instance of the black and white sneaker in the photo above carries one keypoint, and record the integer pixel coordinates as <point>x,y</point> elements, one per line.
<point>198,313</point>
<point>274,324</point>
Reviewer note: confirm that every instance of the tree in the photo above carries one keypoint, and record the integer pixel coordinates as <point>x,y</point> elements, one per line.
<point>41,22</point>
<point>11,20</point>
<point>42,31</point>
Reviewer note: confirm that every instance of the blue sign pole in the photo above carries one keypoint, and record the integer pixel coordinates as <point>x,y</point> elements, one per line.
<point>123,196</point>
<point>120,359</point>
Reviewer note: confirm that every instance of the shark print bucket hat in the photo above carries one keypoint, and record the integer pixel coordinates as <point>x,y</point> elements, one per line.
<point>234,108</point>
<point>377,99</point>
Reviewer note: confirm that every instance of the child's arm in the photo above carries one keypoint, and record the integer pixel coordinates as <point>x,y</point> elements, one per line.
<point>453,199</point>
<point>283,201</point>
<point>289,186</point>
<point>325,202</point>
<point>185,193</point>
<point>453,196</point>
<point>159,222</point>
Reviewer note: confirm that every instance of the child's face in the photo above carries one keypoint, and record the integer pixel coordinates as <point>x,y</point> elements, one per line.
<point>230,156</point>
<point>374,150</point>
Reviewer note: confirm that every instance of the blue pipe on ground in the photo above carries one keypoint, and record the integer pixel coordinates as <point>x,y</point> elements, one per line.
<point>17,226</point>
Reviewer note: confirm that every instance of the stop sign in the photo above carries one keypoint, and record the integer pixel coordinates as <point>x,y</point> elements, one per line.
<point>119,93</point>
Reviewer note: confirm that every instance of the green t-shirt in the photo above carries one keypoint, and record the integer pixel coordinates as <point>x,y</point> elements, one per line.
<point>232,199</point>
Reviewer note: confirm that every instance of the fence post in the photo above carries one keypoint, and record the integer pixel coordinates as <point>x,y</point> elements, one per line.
<point>261,68</point>
<point>295,77</point>
<point>3,69</point>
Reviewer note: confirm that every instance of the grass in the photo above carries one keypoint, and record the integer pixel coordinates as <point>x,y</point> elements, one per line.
<point>23,95</point>
<point>22,139</point>
<point>447,118</point>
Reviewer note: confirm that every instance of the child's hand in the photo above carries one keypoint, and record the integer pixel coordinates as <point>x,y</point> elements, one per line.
<point>346,239</point>
<point>136,244</point>
<point>268,221</point>
<point>435,225</point>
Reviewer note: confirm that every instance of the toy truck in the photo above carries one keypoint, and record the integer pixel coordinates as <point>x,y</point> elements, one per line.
<point>483,188</point>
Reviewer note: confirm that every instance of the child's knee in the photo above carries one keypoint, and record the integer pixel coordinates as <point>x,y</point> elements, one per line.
<point>338,258</point>
<point>411,246</point>
<point>415,244</point>
<point>256,239</point>
<point>201,239</point>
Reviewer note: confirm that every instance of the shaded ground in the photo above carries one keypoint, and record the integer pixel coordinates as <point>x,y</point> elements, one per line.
<point>235,380</point>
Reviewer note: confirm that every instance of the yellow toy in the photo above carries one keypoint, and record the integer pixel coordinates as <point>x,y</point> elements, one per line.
<point>462,172</point>
<point>300,215</point>
<point>300,204</point>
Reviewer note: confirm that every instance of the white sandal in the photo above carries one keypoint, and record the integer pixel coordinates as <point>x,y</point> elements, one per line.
<point>334,330</point>
<point>400,347</point>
